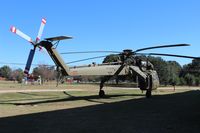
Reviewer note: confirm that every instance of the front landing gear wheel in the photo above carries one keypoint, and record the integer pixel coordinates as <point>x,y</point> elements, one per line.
<point>148,93</point>
<point>101,93</point>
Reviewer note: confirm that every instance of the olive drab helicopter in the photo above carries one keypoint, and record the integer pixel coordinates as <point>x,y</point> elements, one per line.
<point>129,63</point>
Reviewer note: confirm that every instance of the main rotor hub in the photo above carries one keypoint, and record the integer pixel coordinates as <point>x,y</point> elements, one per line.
<point>127,51</point>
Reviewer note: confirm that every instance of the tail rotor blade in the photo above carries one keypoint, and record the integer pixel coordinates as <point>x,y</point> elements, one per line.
<point>29,61</point>
<point>21,34</point>
<point>41,30</point>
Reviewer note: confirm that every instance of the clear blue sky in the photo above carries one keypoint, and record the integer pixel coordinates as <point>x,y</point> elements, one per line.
<point>100,25</point>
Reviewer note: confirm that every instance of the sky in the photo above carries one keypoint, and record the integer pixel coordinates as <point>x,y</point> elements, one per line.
<point>100,25</point>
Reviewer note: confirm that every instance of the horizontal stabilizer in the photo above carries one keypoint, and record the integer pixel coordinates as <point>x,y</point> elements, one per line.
<point>58,38</point>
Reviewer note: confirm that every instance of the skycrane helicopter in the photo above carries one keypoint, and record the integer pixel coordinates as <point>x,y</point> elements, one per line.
<point>129,62</point>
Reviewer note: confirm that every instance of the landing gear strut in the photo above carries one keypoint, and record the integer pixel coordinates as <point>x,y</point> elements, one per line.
<point>149,90</point>
<point>148,93</point>
<point>101,92</point>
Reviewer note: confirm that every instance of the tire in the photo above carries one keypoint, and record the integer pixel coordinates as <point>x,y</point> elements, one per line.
<point>148,94</point>
<point>101,93</point>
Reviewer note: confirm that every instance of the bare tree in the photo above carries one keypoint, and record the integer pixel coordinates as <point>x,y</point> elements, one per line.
<point>46,72</point>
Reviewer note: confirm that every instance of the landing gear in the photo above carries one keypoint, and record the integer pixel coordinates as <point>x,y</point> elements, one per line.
<point>148,93</point>
<point>150,85</point>
<point>101,93</point>
<point>59,75</point>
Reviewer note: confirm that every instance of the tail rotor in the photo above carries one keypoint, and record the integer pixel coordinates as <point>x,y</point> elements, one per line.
<point>34,43</point>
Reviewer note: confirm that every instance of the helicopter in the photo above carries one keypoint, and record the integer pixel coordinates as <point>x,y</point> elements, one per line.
<point>128,64</point>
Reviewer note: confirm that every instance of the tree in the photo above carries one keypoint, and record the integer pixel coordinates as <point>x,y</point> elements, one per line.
<point>47,73</point>
<point>5,72</point>
<point>189,79</point>
<point>161,67</point>
<point>17,75</point>
<point>111,58</point>
<point>191,72</point>
<point>195,67</point>
<point>174,69</point>
<point>197,81</point>
<point>170,72</point>
<point>182,81</point>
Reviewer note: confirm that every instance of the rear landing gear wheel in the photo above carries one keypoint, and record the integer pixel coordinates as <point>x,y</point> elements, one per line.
<point>148,93</point>
<point>101,93</point>
<point>150,84</point>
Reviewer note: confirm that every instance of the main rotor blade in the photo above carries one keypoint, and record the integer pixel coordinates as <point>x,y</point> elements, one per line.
<point>172,55</point>
<point>21,34</point>
<point>86,59</point>
<point>23,64</point>
<point>86,52</point>
<point>29,61</point>
<point>41,30</point>
<point>162,46</point>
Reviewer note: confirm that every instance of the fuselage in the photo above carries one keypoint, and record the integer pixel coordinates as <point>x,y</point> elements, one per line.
<point>103,70</point>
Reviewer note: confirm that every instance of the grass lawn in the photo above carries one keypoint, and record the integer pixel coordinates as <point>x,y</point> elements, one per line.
<point>77,108</point>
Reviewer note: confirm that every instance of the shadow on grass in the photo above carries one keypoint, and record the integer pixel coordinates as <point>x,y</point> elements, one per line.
<point>172,113</point>
<point>69,97</point>
<point>21,101</point>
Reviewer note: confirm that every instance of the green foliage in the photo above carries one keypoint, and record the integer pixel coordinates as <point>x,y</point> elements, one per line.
<point>190,72</point>
<point>171,72</point>
<point>161,67</point>
<point>17,75</point>
<point>189,79</point>
<point>182,81</point>
<point>111,58</point>
<point>5,72</point>
<point>197,81</point>
<point>174,69</point>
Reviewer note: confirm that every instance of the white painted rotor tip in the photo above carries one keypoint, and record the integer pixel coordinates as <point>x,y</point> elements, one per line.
<point>44,20</point>
<point>13,29</point>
